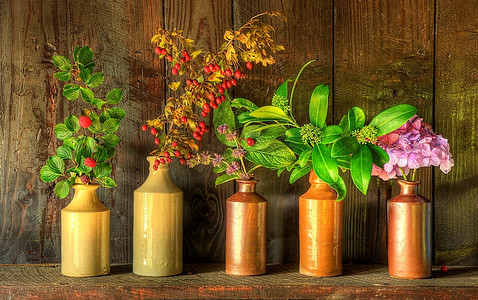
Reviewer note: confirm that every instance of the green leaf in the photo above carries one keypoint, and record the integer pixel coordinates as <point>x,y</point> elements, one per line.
<point>304,157</point>
<point>90,144</point>
<point>107,182</point>
<point>340,187</point>
<point>62,62</point>
<point>331,133</point>
<point>344,123</point>
<point>95,126</point>
<point>318,106</point>
<point>85,55</point>
<point>82,167</point>
<point>114,96</point>
<point>70,142</point>
<point>116,112</point>
<point>85,73</point>
<point>225,178</point>
<point>293,139</point>
<point>104,116</point>
<point>62,132</point>
<point>361,168</point>
<point>282,89</point>
<point>71,91</point>
<point>270,113</point>
<point>72,123</point>
<point>379,156</point>
<point>56,164</point>
<point>262,138</point>
<point>63,76</point>
<point>103,169</point>
<point>47,174</point>
<point>345,146</point>
<point>75,53</point>
<point>98,103</point>
<point>393,118</point>
<point>94,116</point>
<point>62,189</point>
<point>111,125</point>
<point>244,103</point>
<point>111,139</point>
<point>96,80</point>
<point>356,118</point>
<point>325,167</point>
<point>100,154</point>
<point>279,171</point>
<point>276,155</point>
<point>344,161</point>
<point>87,95</point>
<point>299,171</point>
<point>110,152</point>
<point>224,115</point>
<point>64,152</point>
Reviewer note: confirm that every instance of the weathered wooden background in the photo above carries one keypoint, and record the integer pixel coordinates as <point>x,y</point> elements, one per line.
<point>373,54</point>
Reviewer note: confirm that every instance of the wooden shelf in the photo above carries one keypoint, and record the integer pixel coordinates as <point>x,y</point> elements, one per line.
<point>210,281</point>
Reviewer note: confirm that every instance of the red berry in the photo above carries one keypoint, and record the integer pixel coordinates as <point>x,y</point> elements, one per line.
<point>189,81</point>
<point>157,50</point>
<point>169,58</point>
<point>249,65</point>
<point>187,57</point>
<point>216,67</point>
<point>177,153</point>
<point>201,132</point>
<point>233,82</point>
<point>206,70</point>
<point>184,52</point>
<point>237,74</point>
<point>228,72</point>
<point>222,72</point>
<point>184,119</point>
<point>85,179</point>
<point>164,52</point>
<point>250,142</point>
<point>243,75</point>
<point>189,155</point>
<point>157,141</point>
<point>182,161</point>
<point>174,71</point>
<point>85,121</point>
<point>144,127</point>
<point>228,84</point>
<point>155,167</point>
<point>168,160</point>
<point>207,129</point>
<point>224,85</point>
<point>182,60</point>
<point>199,138</point>
<point>218,100</point>
<point>154,131</point>
<point>211,96</point>
<point>211,68</point>
<point>213,105</point>
<point>204,114</point>
<point>156,162</point>
<point>166,154</point>
<point>177,66</point>
<point>162,161</point>
<point>195,82</point>
<point>198,129</point>
<point>202,124</point>
<point>90,162</point>
<point>205,106</point>
<point>444,269</point>
<point>220,90</point>
<point>223,98</point>
<point>174,144</point>
<point>195,135</point>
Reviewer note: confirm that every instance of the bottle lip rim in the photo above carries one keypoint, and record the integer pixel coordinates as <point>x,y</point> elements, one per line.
<point>409,182</point>
<point>247,180</point>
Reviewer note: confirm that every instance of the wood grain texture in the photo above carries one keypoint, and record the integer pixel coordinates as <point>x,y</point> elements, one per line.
<point>306,36</point>
<point>383,56</point>
<point>456,208</point>
<point>206,281</point>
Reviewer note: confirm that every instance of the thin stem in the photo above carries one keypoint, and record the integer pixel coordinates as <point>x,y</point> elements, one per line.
<point>403,174</point>
<point>295,83</point>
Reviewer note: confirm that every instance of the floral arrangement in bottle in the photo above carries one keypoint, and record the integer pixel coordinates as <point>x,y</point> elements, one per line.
<point>414,145</point>
<point>207,76</point>
<point>89,138</point>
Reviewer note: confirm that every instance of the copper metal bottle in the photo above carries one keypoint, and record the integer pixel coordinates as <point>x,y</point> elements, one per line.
<point>246,231</point>
<point>409,233</point>
<point>320,230</point>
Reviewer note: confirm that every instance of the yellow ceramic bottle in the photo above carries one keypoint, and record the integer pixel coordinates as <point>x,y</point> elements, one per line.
<point>85,234</point>
<point>158,225</point>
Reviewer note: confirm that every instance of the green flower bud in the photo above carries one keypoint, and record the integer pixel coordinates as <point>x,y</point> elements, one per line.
<point>311,134</point>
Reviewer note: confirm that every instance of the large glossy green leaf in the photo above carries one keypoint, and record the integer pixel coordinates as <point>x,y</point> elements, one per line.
<point>361,168</point>
<point>331,134</point>
<point>71,91</point>
<point>276,155</point>
<point>262,138</point>
<point>47,174</point>
<point>64,152</point>
<point>344,161</point>
<point>86,94</point>
<point>325,166</point>
<point>103,169</point>
<point>96,80</point>
<point>244,103</point>
<point>293,140</point>
<point>62,132</point>
<point>224,115</point>
<point>114,96</point>
<point>62,75</point>
<point>85,55</point>
<point>270,113</point>
<point>111,125</point>
<point>379,156</point>
<point>356,118</point>
<point>225,178</point>
<point>62,62</point>
<point>62,189</point>
<point>345,146</point>
<point>392,118</point>
<point>116,112</point>
<point>299,171</point>
<point>304,157</point>
<point>111,139</point>
<point>340,187</point>
<point>56,164</point>
<point>318,106</point>
<point>72,123</point>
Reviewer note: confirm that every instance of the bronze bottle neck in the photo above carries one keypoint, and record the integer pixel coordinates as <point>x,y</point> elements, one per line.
<point>246,186</point>
<point>408,187</point>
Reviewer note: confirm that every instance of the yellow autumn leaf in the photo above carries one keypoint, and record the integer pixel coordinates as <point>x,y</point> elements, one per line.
<point>174,85</point>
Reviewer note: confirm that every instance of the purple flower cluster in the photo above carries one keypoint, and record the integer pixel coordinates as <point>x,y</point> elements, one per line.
<point>413,146</point>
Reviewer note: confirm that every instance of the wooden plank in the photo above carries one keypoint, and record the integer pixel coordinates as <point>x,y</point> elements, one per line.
<point>456,213</point>
<point>306,36</point>
<point>383,56</point>
<point>204,204</point>
<point>204,281</point>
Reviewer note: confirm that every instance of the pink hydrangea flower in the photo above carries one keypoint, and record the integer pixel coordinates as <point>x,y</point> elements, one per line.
<point>413,146</point>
